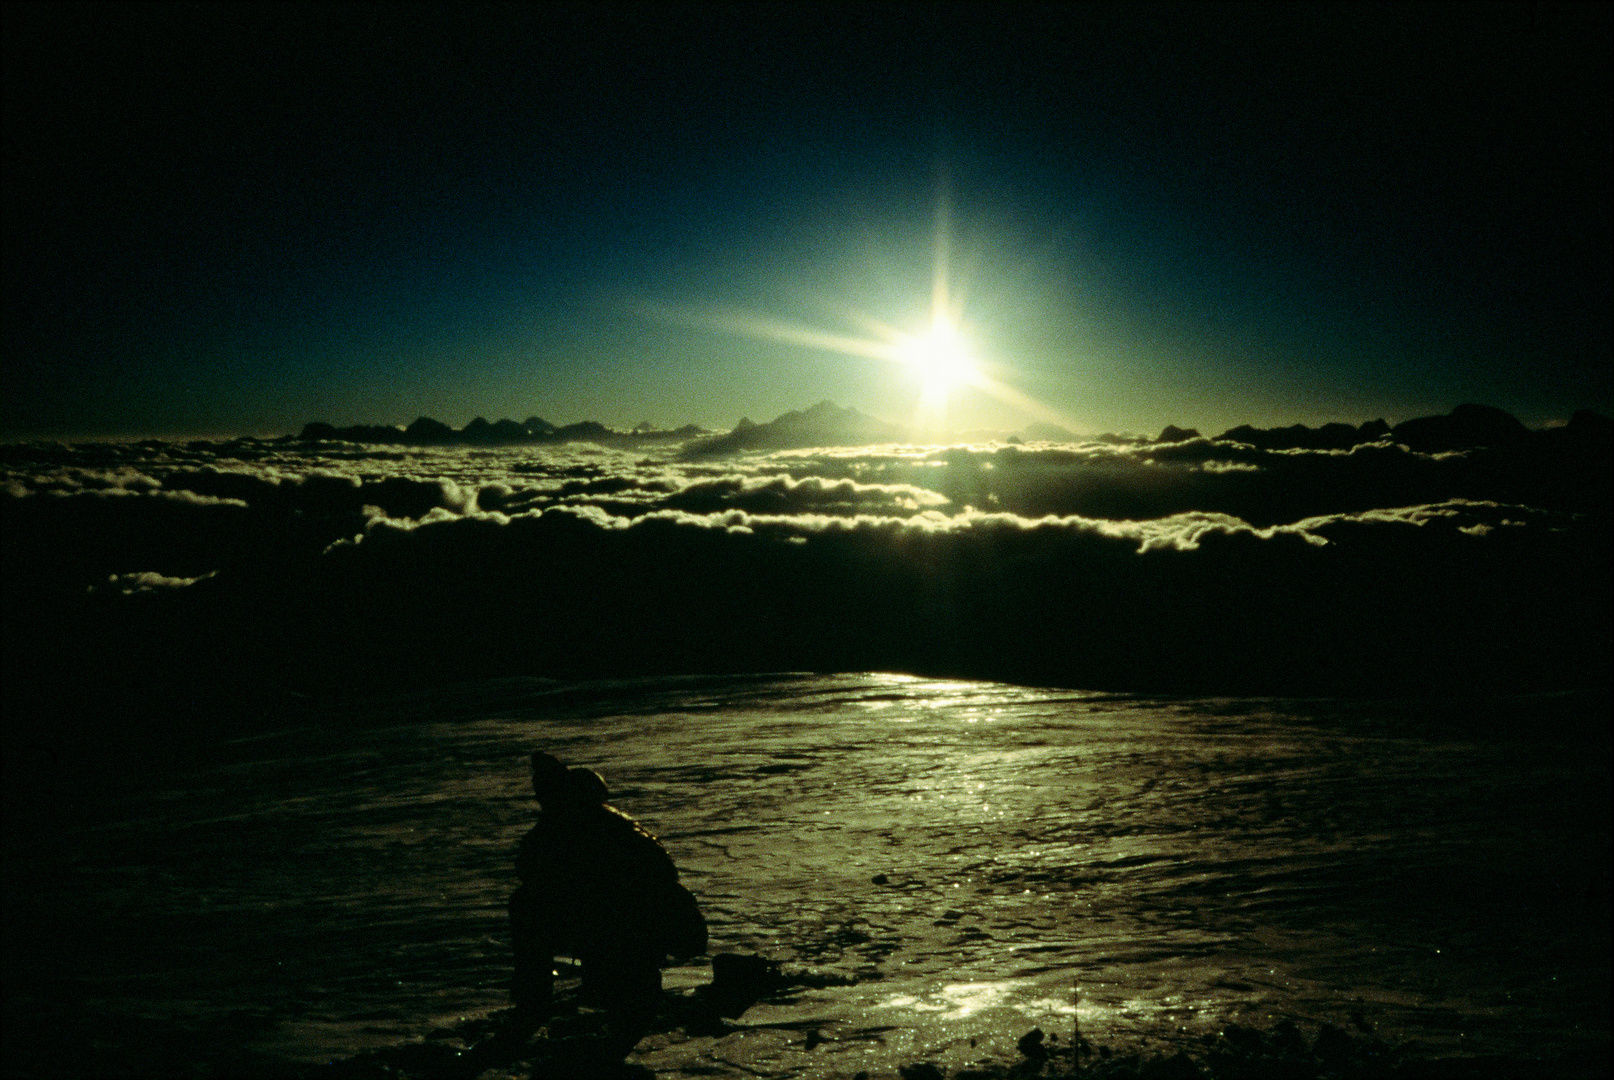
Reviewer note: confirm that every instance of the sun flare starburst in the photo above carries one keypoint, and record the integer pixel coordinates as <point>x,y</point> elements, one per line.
<point>942,356</point>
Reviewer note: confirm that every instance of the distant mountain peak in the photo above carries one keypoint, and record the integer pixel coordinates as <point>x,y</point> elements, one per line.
<point>1465,427</point>
<point>823,424</point>
<point>425,431</point>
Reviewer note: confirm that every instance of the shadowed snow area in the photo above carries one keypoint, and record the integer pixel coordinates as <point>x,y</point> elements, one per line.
<point>952,859</point>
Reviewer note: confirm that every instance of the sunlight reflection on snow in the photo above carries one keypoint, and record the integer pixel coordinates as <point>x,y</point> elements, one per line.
<point>958,878</point>
<point>954,1001</point>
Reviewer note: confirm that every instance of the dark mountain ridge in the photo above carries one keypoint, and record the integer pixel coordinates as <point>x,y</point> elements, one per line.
<point>1466,427</point>
<point>426,431</point>
<point>825,424</point>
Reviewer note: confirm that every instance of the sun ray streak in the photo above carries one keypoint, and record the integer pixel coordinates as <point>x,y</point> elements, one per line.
<point>942,243</point>
<point>941,356</point>
<point>760,327</point>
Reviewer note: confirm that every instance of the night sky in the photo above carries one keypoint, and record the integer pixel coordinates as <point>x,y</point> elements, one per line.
<point>232,219</point>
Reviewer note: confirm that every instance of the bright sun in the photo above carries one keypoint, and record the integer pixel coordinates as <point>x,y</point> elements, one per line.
<point>941,356</point>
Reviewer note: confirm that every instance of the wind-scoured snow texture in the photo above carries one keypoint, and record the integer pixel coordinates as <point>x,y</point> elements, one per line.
<point>1201,565</point>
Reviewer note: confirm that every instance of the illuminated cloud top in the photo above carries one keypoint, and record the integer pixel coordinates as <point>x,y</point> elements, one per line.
<point>1456,553</point>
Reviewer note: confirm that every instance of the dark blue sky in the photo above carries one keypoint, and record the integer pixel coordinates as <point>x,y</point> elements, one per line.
<point>236,218</point>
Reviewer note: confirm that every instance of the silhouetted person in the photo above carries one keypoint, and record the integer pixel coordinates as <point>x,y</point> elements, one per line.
<point>598,887</point>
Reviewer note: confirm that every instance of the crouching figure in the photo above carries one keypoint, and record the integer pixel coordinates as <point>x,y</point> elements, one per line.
<point>596,886</point>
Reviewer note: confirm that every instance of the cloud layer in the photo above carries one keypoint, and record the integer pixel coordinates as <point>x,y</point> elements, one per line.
<point>1200,565</point>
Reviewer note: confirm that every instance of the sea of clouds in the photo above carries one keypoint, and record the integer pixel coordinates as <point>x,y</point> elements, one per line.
<point>237,569</point>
